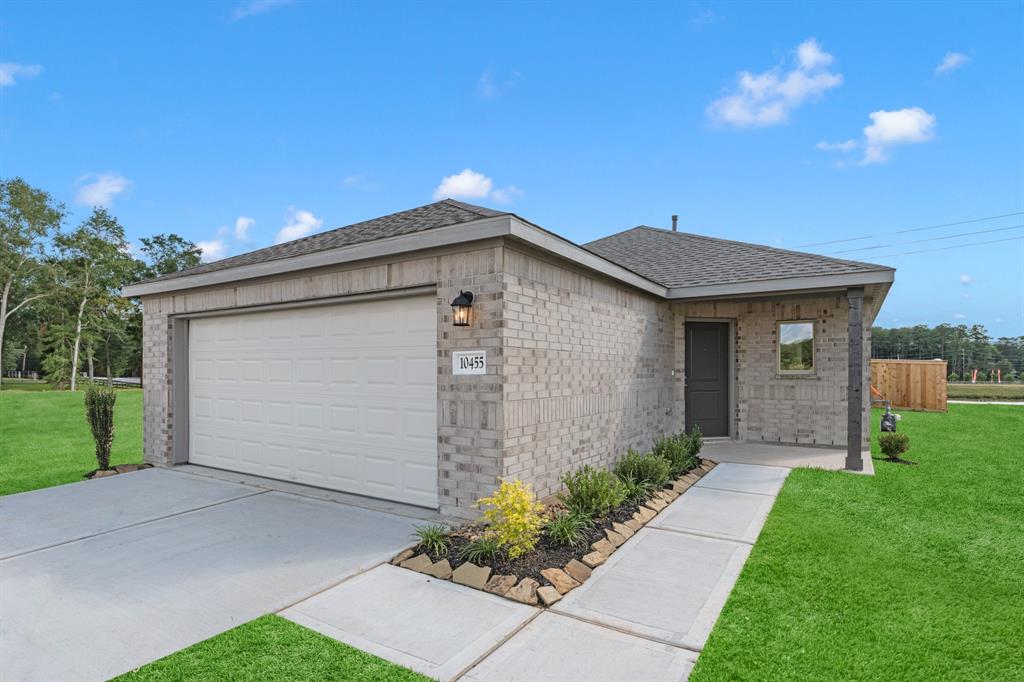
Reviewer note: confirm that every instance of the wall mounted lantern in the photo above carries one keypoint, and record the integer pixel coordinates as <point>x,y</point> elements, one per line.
<point>460,308</point>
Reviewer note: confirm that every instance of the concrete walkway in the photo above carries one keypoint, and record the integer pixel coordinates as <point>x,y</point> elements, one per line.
<point>100,577</point>
<point>644,615</point>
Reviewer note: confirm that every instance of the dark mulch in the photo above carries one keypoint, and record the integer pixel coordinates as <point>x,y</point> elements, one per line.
<point>119,469</point>
<point>547,554</point>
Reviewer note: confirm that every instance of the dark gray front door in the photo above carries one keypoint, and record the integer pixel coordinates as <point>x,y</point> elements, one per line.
<point>707,377</point>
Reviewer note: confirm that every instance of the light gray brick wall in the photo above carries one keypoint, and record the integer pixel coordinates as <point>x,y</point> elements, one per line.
<point>587,370</point>
<point>783,408</point>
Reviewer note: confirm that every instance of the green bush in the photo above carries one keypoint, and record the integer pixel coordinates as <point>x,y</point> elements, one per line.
<point>893,445</point>
<point>652,469</point>
<point>953,376</point>
<point>99,411</point>
<point>433,538</point>
<point>681,451</point>
<point>570,528</point>
<point>592,492</point>
<point>481,550</point>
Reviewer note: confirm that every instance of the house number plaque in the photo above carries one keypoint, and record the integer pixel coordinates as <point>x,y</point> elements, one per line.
<point>469,362</point>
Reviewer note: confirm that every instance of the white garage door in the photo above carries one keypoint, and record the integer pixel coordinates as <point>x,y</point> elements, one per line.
<point>340,396</point>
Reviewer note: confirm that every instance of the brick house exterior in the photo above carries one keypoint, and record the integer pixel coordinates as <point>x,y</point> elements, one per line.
<point>585,350</point>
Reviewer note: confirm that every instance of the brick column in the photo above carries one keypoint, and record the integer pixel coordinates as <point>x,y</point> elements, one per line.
<point>855,378</point>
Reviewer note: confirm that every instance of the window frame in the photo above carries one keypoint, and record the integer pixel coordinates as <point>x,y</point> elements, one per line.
<point>778,349</point>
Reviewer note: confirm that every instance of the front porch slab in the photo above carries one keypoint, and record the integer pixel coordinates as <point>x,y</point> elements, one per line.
<point>780,455</point>
<point>665,585</point>
<point>431,626</point>
<point>723,514</point>
<point>761,480</point>
<point>558,648</point>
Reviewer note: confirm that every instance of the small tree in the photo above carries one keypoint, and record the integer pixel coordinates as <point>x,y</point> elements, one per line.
<point>99,410</point>
<point>953,376</point>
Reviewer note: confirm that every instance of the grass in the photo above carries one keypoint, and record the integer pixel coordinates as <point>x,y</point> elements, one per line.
<point>24,385</point>
<point>915,573</point>
<point>45,440</point>
<point>985,391</point>
<point>267,649</point>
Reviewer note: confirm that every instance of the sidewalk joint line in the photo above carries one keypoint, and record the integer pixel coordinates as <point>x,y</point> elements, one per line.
<point>623,631</point>
<point>491,650</point>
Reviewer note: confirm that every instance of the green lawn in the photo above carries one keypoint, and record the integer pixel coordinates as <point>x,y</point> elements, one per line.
<point>985,391</point>
<point>24,385</point>
<point>916,573</point>
<point>271,648</point>
<point>45,440</point>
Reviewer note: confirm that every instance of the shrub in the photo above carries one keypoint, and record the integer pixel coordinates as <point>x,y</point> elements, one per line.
<point>893,445</point>
<point>694,442</point>
<point>637,492</point>
<point>514,517</point>
<point>480,550</point>
<point>433,538</point>
<point>682,451</point>
<point>651,468</point>
<point>953,376</point>
<point>570,528</point>
<point>99,411</point>
<point>592,492</point>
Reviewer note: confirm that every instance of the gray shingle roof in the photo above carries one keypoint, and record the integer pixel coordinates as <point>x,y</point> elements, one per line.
<point>439,214</point>
<point>678,259</point>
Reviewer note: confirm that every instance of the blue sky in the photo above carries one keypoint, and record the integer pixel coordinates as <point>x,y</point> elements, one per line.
<point>237,124</point>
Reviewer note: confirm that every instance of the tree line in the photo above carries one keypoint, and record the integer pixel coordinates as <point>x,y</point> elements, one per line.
<point>61,310</point>
<point>964,348</point>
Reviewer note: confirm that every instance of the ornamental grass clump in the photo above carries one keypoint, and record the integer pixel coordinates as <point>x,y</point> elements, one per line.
<point>592,492</point>
<point>682,450</point>
<point>433,538</point>
<point>99,411</point>
<point>514,517</point>
<point>570,529</point>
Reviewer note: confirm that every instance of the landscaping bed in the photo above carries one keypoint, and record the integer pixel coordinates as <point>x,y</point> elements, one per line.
<point>535,553</point>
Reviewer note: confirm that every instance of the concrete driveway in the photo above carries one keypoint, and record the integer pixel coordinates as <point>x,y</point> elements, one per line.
<point>100,577</point>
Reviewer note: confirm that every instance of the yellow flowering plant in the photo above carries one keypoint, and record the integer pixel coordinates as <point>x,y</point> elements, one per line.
<point>514,517</point>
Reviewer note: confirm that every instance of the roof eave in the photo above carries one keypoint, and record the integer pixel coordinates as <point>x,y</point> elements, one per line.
<point>788,285</point>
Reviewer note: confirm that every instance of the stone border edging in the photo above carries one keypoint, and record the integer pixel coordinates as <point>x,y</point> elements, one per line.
<point>562,580</point>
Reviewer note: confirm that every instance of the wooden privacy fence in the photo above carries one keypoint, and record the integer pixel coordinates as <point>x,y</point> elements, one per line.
<point>911,384</point>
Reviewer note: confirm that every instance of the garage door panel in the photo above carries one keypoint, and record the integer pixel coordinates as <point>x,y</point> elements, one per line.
<point>341,396</point>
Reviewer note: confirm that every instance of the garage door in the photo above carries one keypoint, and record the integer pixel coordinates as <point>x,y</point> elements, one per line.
<point>340,396</point>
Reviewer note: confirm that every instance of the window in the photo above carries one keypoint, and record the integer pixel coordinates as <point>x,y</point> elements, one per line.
<point>796,347</point>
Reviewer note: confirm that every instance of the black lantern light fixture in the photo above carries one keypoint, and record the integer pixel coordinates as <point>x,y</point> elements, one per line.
<point>460,308</point>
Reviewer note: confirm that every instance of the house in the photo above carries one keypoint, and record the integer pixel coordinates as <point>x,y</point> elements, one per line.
<point>339,361</point>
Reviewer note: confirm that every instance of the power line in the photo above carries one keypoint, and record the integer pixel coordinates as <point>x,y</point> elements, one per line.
<point>929,239</point>
<point>913,229</point>
<point>945,248</point>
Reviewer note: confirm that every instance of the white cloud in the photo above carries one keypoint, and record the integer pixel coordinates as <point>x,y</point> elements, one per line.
<point>488,86</point>
<point>465,185</point>
<point>767,98</point>
<point>242,225</point>
<point>959,316</point>
<point>11,71</point>
<point>99,189</point>
<point>952,60</point>
<point>843,147</point>
<point>300,223</point>
<point>966,279</point>
<point>810,55</point>
<point>214,249</point>
<point>889,128</point>
<point>253,7</point>
<point>470,184</point>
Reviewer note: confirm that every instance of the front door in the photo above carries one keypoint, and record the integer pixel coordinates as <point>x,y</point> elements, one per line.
<point>707,377</point>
